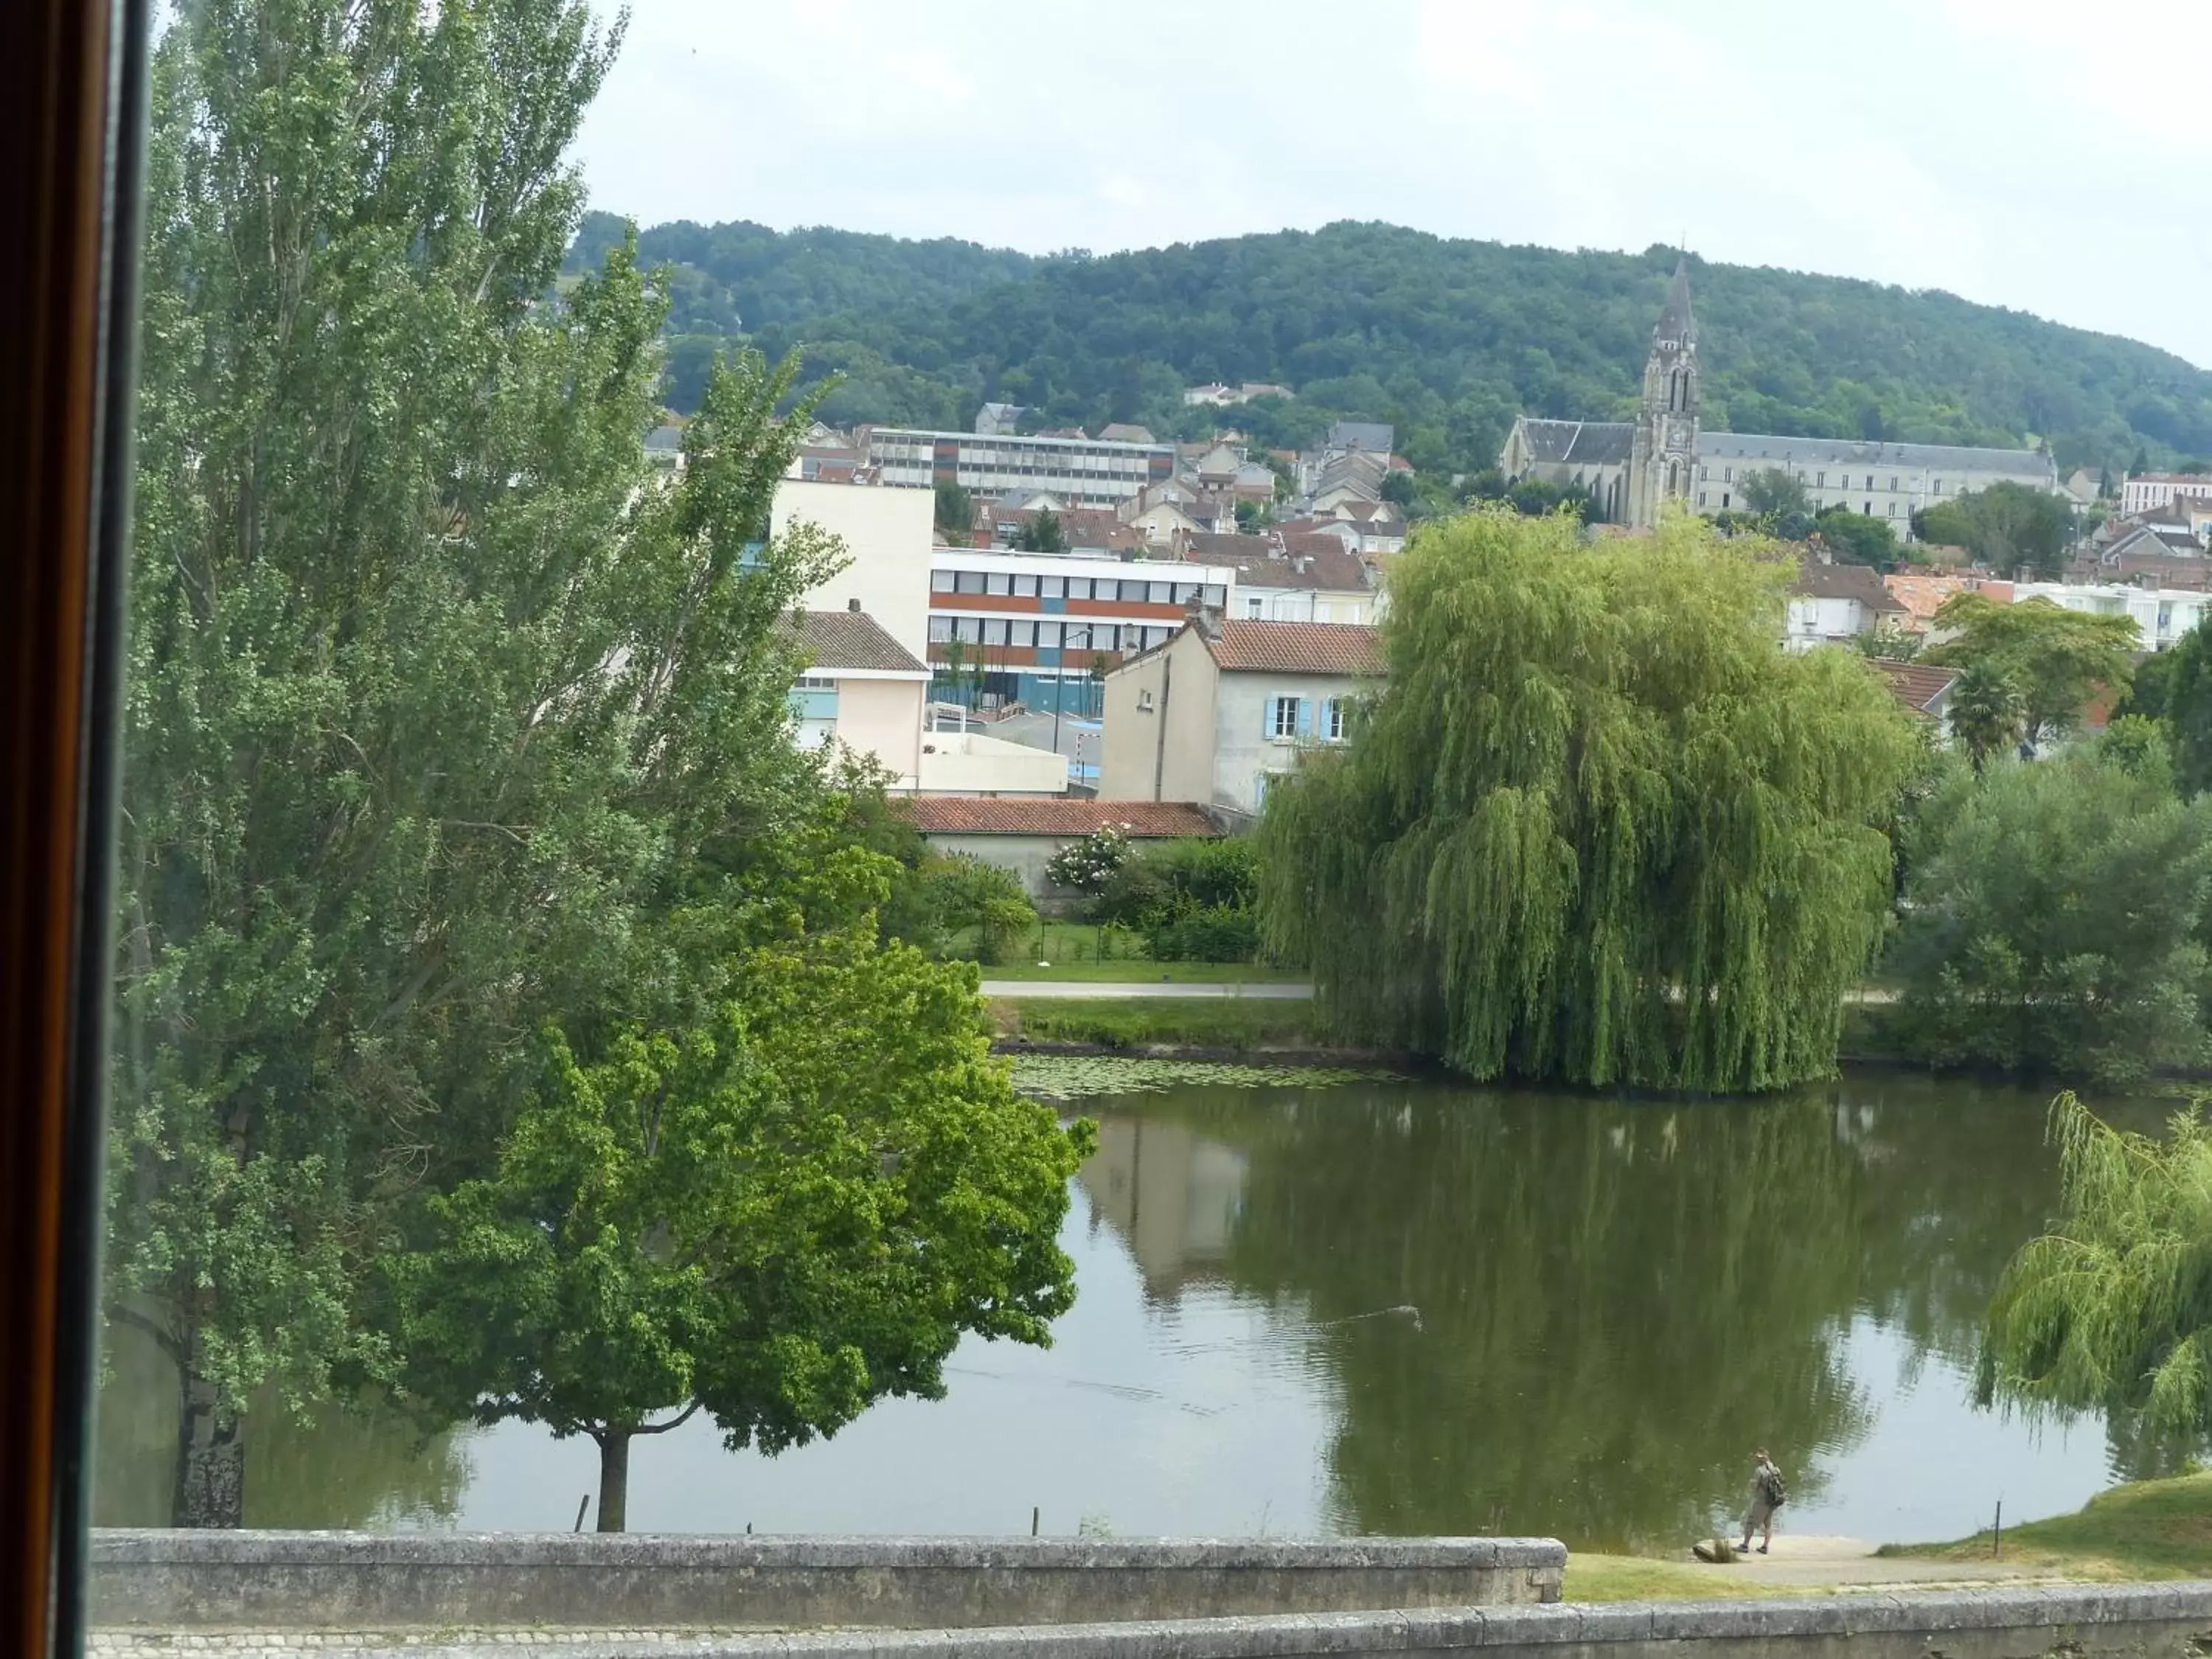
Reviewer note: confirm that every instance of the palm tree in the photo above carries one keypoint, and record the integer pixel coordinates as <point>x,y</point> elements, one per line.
<point>1988,714</point>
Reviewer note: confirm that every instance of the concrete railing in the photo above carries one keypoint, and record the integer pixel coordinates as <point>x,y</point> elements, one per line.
<point>294,1581</point>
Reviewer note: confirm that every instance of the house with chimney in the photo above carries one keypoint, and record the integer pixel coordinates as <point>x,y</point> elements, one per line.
<point>1283,577</point>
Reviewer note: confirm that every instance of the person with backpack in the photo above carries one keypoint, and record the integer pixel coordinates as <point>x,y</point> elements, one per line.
<point>1768,1494</point>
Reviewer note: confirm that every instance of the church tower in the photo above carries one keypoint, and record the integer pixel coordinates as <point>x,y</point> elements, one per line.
<point>1663,454</point>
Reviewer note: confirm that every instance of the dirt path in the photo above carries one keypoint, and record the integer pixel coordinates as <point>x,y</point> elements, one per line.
<point>1851,1563</point>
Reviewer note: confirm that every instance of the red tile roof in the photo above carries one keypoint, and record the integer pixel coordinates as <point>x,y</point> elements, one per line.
<point>1916,684</point>
<point>1297,647</point>
<point>972,815</point>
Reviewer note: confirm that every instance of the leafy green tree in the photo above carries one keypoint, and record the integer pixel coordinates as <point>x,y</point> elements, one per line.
<point>2059,659</point>
<point>1594,826</point>
<point>2180,679</point>
<point>968,894</point>
<point>1987,714</point>
<point>2112,1309</point>
<point>1541,497</point>
<point>955,510</point>
<point>2009,526</point>
<point>448,718</point>
<point>1043,534</point>
<point>2055,919</point>
<point>1401,490</point>
<point>778,1215</point>
<point>1857,537</point>
<point>1253,516</point>
<point>1776,490</point>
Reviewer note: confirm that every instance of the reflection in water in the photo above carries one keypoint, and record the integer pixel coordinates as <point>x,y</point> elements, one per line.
<point>1616,1301</point>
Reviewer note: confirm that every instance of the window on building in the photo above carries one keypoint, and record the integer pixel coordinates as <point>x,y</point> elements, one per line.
<point>994,630</point>
<point>1047,636</point>
<point>1023,633</point>
<point>1217,595</point>
<point>1701,498</point>
<point>1053,588</point>
<point>1184,593</point>
<point>967,582</point>
<point>1728,475</point>
<point>1283,717</point>
<point>1077,637</point>
<point>1820,480</point>
<point>1937,488</point>
<point>1724,500</point>
<point>1079,587</point>
<point>1870,506</point>
<point>1253,606</point>
<point>1892,481</point>
<point>940,581</point>
<point>997,581</point>
<point>1869,478</point>
<point>1892,509</point>
<point>1026,586</point>
<point>1159,593</point>
<point>940,629</point>
<point>968,630</point>
<point>1333,718</point>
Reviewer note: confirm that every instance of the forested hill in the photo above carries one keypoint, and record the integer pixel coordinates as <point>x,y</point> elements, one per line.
<point>1448,340</point>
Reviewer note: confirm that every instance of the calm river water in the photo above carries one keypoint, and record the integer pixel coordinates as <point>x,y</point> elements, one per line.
<point>1382,1307</point>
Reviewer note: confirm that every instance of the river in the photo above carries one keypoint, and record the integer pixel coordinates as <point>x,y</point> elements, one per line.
<point>1380,1306</point>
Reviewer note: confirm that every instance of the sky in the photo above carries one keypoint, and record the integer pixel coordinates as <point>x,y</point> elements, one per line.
<point>2053,158</point>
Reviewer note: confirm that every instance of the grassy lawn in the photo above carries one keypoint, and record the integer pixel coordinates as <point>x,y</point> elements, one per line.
<point>1072,951</point>
<point>2150,1529</point>
<point>1633,1578</point>
<point>1208,1022</point>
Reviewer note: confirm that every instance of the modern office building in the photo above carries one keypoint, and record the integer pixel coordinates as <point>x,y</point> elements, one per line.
<point>1083,472</point>
<point>1043,627</point>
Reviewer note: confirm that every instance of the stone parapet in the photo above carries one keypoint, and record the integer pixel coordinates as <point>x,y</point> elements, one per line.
<point>159,1581</point>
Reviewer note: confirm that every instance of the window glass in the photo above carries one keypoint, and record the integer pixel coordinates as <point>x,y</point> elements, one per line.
<point>994,630</point>
<point>1053,588</point>
<point>1079,587</point>
<point>997,581</point>
<point>968,581</point>
<point>970,628</point>
<point>940,628</point>
<point>1284,720</point>
<point>940,581</point>
<point>1023,633</point>
<point>1026,586</point>
<point>1048,635</point>
<point>1159,593</point>
<point>1078,636</point>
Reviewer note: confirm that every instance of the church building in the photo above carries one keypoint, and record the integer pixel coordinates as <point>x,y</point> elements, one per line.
<point>1631,469</point>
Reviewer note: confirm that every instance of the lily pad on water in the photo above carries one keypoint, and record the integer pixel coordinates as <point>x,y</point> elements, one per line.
<point>1076,1077</point>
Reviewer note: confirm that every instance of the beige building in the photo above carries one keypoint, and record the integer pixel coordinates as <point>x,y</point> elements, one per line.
<point>888,534</point>
<point>1227,704</point>
<point>862,689</point>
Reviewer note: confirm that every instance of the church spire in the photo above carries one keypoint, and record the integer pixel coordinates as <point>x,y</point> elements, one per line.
<point>1677,323</point>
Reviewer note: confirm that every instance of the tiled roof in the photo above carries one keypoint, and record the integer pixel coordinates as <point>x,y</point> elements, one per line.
<point>1845,582</point>
<point>851,639</point>
<point>1319,563</point>
<point>971,815</point>
<point>1916,684</point>
<point>1296,647</point>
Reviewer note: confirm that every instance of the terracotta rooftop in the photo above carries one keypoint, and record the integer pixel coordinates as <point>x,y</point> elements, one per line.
<point>851,640</point>
<point>973,815</point>
<point>1916,684</point>
<point>1296,647</point>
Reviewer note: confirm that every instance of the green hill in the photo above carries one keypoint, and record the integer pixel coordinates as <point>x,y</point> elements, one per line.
<point>1446,339</point>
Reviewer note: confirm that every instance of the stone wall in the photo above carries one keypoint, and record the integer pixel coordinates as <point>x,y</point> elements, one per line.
<point>280,1581</point>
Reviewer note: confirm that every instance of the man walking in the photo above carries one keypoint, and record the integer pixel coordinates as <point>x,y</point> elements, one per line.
<point>1767,1495</point>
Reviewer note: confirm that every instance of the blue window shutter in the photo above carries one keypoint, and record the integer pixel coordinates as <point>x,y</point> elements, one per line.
<point>1305,717</point>
<point>1267,717</point>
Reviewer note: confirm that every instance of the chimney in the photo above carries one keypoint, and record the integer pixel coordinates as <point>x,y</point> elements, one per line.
<point>1206,618</point>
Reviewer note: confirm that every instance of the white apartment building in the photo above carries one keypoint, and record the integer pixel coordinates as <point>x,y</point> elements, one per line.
<point>2162,615</point>
<point>1083,471</point>
<point>1041,623</point>
<point>2148,491</point>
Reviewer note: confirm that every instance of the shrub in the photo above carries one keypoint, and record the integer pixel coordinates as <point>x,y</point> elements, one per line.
<point>1215,934</point>
<point>1176,876</point>
<point>966,892</point>
<point>1088,865</point>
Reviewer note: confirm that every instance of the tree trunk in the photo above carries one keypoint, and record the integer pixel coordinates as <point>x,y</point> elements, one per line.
<point>614,1478</point>
<point>210,1488</point>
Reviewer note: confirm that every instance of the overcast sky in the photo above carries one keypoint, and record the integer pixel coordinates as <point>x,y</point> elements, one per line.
<point>2056,158</point>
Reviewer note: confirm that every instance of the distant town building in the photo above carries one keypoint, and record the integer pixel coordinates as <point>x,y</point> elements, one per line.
<point>1832,603</point>
<point>998,419</point>
<point>1041,625</point>
<point>1632,468</point>
<point>1290,578</point>
<point>861,689</point>
<point>888,535</point>
<point>2162,615</point>
<point>1122,432</point>
<point>1086,471</point>
<point>1021,835</point>
<point>2144,491</point>
<point>1227,704</point>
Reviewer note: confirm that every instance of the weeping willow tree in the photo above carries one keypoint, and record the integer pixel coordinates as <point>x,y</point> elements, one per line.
<point>1595,825</point>
<point>2112,1307</point>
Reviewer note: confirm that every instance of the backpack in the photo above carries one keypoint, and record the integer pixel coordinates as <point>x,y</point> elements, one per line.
<point>1771,1486</point>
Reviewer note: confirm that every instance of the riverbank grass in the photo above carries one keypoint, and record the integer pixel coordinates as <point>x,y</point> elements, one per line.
<point>1640,1578</point>
<point>1232,1024</point>
<point>1082,950</point>
<point>2146,1529</point>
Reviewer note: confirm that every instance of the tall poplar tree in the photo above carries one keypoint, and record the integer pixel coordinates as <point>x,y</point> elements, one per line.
<point>1595,825</point>
<point>449,721</point>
